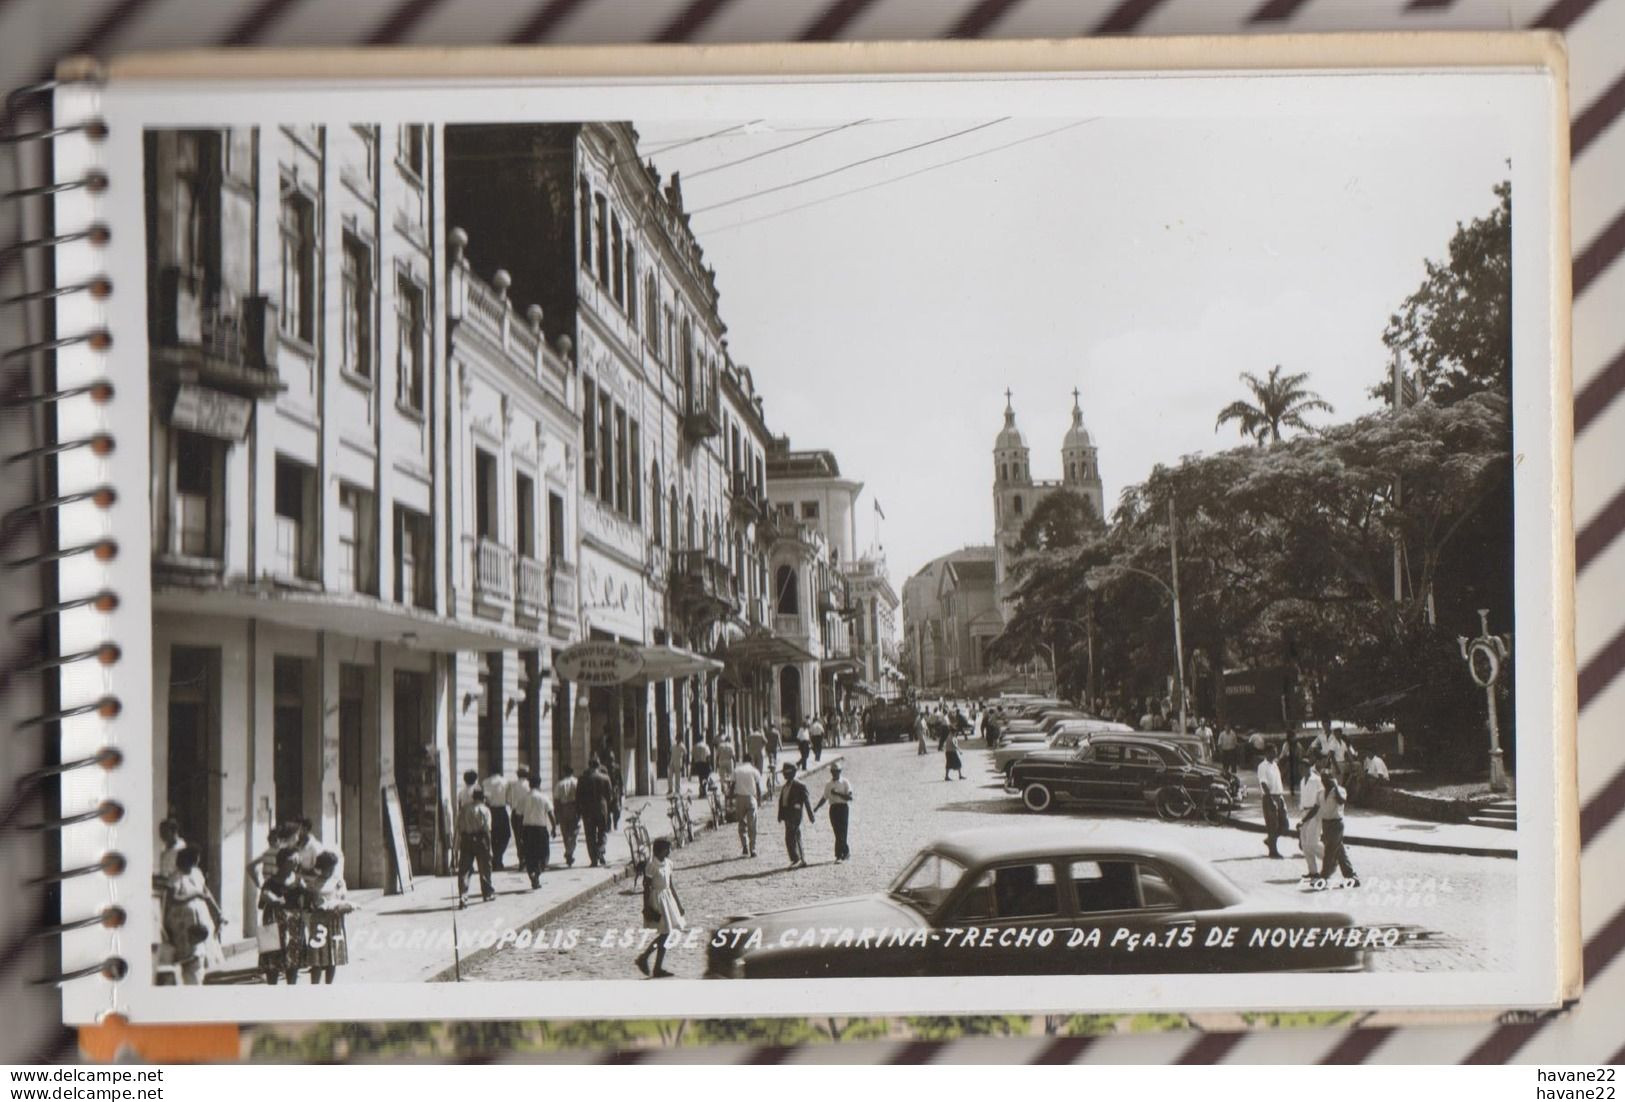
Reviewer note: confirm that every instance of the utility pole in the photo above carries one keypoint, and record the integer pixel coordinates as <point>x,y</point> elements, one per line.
<point>1179,642</point>
<point>1399,498</point>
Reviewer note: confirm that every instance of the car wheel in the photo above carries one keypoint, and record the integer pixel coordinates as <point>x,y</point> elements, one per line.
<point>1037,797</point>
<point>1173,802</point>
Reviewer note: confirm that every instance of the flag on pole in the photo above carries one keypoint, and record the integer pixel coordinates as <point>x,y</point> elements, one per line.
<point>878,510</point>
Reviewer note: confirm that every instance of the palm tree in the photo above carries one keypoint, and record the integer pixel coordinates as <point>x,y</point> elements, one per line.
<point>1278,401</point>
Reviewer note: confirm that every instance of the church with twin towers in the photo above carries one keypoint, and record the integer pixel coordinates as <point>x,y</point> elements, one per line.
<point>1016,493</point>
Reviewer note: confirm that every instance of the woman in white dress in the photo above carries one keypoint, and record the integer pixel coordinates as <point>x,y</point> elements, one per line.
<point>662,910</point>
<point>192,919</point>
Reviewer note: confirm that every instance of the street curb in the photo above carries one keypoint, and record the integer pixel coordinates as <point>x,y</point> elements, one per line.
<point>1390,843</point>
<point>449,974</point>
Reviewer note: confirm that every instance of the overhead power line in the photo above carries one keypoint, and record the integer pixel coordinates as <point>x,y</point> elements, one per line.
<point>776,149</point>
<point>893,179</point>
<point>848,166</point>
<point>669,146</point>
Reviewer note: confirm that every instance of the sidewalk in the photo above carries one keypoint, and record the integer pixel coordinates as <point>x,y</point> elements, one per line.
<point>1370,828</point>
<point>422,936</point>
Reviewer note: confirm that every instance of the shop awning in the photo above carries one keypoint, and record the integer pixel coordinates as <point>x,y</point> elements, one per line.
<point>662,662</point>
<point>763,648</point>
<point>352,614</point>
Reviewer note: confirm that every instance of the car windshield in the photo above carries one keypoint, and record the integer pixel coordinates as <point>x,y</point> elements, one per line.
<point>927,881</point>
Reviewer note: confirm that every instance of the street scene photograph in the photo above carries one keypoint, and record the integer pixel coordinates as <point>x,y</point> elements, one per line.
<point>832,548</point>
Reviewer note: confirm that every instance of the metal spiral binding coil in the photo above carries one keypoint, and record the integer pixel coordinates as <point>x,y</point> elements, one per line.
<point>27,382</point>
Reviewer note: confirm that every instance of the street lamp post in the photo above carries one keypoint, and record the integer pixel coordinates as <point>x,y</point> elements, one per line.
<point>1484,654</point>
<point>1179,641</point>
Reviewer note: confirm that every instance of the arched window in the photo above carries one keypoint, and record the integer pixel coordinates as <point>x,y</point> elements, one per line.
<point>1004,472</point>
<point>707,546</point>
<point>676,533</point>
<point>690,531</point>
<point>654,504</point>
<point>585,191</point>
<point>1017,504</point>
<point>786,595</point>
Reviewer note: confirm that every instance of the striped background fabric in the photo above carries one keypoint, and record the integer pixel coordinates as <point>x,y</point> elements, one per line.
<point>35,32</point>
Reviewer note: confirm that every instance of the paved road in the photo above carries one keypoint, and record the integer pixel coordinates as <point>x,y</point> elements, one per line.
<point>902,800</point>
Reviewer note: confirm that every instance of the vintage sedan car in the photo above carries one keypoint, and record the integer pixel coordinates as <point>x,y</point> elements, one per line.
<point>1123,770</point>
<point>1079,899</point>
<point>1065,736</point>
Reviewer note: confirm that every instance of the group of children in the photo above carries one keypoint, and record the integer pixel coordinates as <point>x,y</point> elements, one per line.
<point>302,902</point>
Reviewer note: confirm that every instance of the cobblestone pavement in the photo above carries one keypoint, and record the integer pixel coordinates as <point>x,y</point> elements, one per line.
<point>902,801</point>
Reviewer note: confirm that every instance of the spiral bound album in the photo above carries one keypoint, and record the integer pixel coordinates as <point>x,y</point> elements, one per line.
<point>844,530</point>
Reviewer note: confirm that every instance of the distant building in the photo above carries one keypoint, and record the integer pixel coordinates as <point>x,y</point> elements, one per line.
<point>929,631</point>
<point>874,627</point>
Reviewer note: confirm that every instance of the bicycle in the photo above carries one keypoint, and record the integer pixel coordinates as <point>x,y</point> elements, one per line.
<point>682,822</point>
<point>713,796</point>
<point>638,844</point>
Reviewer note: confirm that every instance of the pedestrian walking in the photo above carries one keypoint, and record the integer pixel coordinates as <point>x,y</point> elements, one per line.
<point>756,749</point>
<point>803,744</point>
<point>1255,747</point>
<point>701,757</point>
<point>192,919</point>
<point>838,794</point>
<point>794,801</point>
<point>815,733</point>
<point>496,801</point>
<point>770,773</point>
<point>594,795</point>
<point>540,825</point>
<point>617,788</point>
<point>569,817</point>
<point>662,909</point>
<point>951,761</point>
<point>1229,749</point>
<point>474,845</point>
<point>1309,845</point>
<point>748,793</point>
<point>1333,799</point>
<point>921,733</point>
<point>465,794</point>
<point>517,788</point>
<point>1273,796</point>
<point>726,758</point>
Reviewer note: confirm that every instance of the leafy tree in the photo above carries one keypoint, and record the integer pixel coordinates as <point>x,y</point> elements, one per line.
<point>1455,330</point>
<point>1061,519</point>
<point>1279,401</point>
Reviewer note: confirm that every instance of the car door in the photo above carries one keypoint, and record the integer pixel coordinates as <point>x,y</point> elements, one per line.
<point>1006,922</point>
<point>1142,771</point>
<point>1131,916</point>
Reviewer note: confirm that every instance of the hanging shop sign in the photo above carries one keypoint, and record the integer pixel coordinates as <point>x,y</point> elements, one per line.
<point>599,663</point>
<point>211,412</point>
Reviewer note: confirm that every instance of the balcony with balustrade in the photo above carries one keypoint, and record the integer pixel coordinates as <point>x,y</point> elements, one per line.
<point>209,336</point>
<point>493,577</point>
<point>748,502</point>
<point>562,588</point>
<point>701,417</point>
<point>702,586</point>
<point>530,590</point>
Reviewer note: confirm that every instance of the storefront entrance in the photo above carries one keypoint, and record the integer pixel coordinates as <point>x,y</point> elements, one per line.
<point>193,788</point>
<point>417,771</point>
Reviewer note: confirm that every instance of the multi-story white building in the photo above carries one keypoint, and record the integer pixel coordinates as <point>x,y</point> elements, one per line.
<point>814,511</point>
<point>512,444</point>
<point>667,563</point>
<point>874,627</point>
<point>304,613</point>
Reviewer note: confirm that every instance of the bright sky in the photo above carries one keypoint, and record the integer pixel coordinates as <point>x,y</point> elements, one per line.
<point>1145,262</point>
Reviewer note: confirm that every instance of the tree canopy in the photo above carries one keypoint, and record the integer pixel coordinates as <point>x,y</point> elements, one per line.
<point>1279,401</point>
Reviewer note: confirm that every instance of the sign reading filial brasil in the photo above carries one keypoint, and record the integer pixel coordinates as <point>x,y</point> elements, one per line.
<point>598,663</point>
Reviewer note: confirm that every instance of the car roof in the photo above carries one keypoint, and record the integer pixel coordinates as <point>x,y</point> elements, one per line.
<point>1098,726</point>
<point>1082,838</point>
<point>974,845</point>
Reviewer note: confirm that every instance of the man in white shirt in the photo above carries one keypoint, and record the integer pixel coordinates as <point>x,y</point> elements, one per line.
<point>535,811</point>
<point>1256,743</point>
<point>496,801</point>
<point>748,792</point>
<point>838,794</point>
<point>1309,791</point>
<point>1229,748</point>
<point>516,813</point>
<point>1375,768</point>
<point>1273,795</point>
